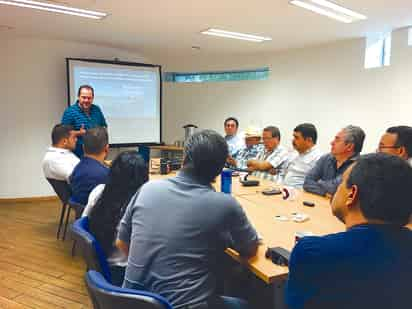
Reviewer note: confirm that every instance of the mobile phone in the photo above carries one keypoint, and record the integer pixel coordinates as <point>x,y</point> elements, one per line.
<point>309,204</point>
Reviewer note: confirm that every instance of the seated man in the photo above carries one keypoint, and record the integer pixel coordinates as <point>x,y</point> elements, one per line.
<point>397,141</point>
<point>325,177</point>
<point>252,149</point>
<point>91,171</point>
<point>59,161</point>
<point>234,140</point>
<point>304,141</point>
<point>370,264</point>
<point>271,162</point>
<point>177,256</point>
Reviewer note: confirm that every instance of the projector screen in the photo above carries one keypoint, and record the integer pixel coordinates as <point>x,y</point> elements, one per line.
<point>129,95</point>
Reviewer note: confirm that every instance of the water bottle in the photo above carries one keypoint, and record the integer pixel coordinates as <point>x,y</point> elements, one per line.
<point>226,181</point>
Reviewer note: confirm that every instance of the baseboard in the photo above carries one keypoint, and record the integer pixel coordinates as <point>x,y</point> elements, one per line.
<point>36,199</point>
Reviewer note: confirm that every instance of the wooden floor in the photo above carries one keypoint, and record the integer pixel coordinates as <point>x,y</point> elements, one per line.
<point>36,269</point>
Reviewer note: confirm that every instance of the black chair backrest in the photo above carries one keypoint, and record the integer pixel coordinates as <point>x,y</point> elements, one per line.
<point>107,296</point>
<point>62,189</point>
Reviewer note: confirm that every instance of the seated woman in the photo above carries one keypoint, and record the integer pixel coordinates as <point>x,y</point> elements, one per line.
<point>107,204</point>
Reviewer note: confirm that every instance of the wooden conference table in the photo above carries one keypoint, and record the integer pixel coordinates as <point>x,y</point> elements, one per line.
<point>261,211</point>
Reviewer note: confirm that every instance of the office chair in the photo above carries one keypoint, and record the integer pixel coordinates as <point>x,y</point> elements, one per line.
<point>107,296</point>
<point>78,209</point>
<point>63,191</point>
<point>91,250</point>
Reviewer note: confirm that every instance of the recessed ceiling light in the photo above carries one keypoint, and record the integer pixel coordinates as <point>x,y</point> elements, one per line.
<point>235,35</point>
<point>63,9</point>
<point>329,9</point>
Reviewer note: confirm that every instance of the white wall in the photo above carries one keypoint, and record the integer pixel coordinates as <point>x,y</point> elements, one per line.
<point>33,98</point>
<point>325,85</point>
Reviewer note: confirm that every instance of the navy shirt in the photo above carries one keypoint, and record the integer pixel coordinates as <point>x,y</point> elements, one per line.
<point>177,229</point>
<point>325,177</point>
<point>76,117</point>
<point>86,175</point>
<point>368,266</point>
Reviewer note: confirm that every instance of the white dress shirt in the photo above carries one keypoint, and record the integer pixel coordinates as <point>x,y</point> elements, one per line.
<point>93,197</point>
<point>58,163</point>
<point>299,166</point>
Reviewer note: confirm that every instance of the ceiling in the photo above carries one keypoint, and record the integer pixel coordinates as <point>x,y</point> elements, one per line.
<point>165,26</point>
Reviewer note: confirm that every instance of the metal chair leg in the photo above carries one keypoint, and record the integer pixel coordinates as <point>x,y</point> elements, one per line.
<point>73,248</point>
<point>66,223</point>
<point>63,212</point>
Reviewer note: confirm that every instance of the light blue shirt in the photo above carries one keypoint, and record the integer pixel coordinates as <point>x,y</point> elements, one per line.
<point>247,153</point>
<point>278,158</point>
<point>177,256</point>
<point>235,143</point>
<point>299,166</point>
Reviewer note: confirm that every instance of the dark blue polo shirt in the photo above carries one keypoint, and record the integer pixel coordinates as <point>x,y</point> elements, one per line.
<point>76,117</point>
<point>86,175</point>
<point>368,266</point>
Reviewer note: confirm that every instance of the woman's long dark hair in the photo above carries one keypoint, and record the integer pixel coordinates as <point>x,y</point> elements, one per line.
<point>127,174</point>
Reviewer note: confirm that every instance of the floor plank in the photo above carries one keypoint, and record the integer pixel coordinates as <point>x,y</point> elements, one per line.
<point>36,269</point>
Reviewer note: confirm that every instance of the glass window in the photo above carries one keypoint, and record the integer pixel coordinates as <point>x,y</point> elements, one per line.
<point>378,51</point>
<point>201,77</point>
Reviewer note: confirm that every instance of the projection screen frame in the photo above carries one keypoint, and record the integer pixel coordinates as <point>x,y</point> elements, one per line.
<point>125,63</point>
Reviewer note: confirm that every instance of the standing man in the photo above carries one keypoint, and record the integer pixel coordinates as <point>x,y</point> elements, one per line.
<point>233,140</point>
<point>397,141</point>
<point>304,141</point>
<point>83,115</point>
<point>370,264</point>
<point>325,177</point>
<point>271,162</point>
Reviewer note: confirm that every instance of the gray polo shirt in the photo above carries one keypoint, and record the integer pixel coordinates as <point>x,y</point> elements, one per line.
<point>177,228</point>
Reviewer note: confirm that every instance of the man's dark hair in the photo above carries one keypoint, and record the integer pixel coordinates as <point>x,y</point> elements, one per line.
<point>274,131</point>
<point>354,135</point>
<point>205,155</point>
<point>85,87</point>
<point>232,119</point>
<point>95,140</point>
<point>59,132</point>
<point>384,183</point>
<point>404,137</point>
<point>307,130</point>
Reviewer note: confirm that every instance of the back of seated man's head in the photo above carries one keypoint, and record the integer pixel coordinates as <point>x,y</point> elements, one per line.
<point>95,141</point>
<point>63,137</point>
<point>205,155</point>
<point>397,141</point>
<point>375,189</point>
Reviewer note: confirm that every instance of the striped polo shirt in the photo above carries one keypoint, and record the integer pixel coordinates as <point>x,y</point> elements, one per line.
<point>76,117</point>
